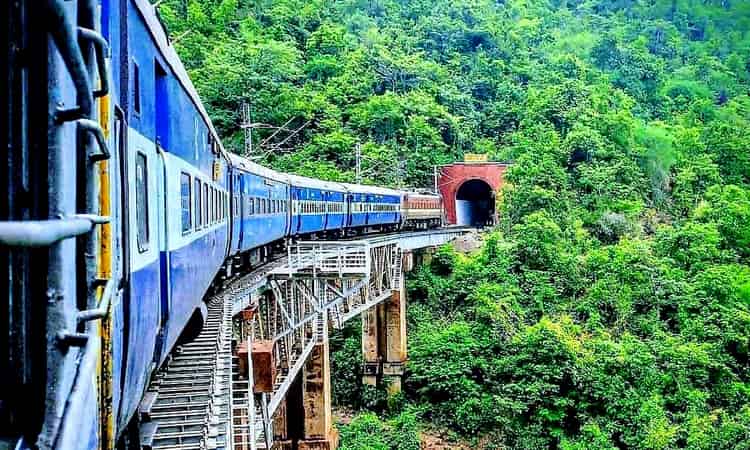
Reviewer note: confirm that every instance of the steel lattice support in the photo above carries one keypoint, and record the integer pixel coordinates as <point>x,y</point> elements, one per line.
<point>284,329</point>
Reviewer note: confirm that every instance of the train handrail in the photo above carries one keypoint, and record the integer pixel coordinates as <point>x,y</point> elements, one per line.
<point>62,32</point>
<point>101,48</point>
<point>43,233</point>
<point>94,128</point>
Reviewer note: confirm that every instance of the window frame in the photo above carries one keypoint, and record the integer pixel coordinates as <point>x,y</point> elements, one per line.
<point>189,228</point>
<point>206,216</point>
<point>142,203</point>
<point>198,203</point>
<point>136,89</point>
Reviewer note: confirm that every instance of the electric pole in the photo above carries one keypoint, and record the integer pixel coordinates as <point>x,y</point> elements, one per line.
<point>247,129</point>
<point>358,167</point>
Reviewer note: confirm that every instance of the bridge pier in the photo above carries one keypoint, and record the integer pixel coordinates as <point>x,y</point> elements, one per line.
<point>384,341</point>
<point>395,329</point>
<point>371,337</point>
<point>280,395</point>
<point>319,432</point>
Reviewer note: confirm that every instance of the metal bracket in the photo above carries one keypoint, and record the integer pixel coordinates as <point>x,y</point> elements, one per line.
<point>67,339</point>
<point>93,127</point>
<point>100,312</point>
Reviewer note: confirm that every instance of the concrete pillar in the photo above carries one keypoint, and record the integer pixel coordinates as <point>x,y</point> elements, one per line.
<point>407,261</point>
<point>427,256</point>
<point>370,347</point>
<point>395,331</point>
<point>281,438</point>
<point>319,433</point>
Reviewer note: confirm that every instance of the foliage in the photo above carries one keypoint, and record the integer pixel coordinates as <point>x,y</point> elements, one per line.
<point>368,432</point>
<point>611,308</point>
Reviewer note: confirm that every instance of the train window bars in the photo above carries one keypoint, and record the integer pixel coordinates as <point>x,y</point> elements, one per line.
<point>141,201</point>
<point>186,203</point>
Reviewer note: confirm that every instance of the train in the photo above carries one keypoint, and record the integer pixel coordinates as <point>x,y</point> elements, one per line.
<point>113,238</point>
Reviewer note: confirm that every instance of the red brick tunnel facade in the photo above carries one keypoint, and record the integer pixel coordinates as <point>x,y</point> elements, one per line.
<point>469,191</point>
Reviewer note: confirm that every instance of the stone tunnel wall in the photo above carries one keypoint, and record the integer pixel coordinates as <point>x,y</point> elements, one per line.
<point>451,177</point>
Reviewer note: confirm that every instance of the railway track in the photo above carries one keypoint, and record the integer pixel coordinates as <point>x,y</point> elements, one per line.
<point>193,397</point>
<point>188,403</point>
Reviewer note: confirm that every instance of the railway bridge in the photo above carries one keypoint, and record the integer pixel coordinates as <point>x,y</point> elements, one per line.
<point>258,376</point>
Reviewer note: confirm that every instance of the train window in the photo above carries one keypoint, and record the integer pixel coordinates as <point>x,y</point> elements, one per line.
<point>214,205</point>
<point>205,203</point>
<point>136,89</point>
<point>141,200</point>
<point>197,201</point>
<point>186,203</point>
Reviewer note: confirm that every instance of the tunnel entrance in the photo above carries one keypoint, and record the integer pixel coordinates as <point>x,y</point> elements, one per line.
<point>475,204</point>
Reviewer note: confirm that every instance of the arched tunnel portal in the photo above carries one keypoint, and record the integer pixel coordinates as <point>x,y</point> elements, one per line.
<point>475,203</point>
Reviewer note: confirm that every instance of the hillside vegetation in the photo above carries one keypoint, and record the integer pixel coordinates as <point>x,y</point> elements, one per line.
<point>611,307</point>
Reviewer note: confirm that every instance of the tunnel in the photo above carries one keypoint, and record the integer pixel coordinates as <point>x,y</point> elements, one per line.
<point>475,204</point>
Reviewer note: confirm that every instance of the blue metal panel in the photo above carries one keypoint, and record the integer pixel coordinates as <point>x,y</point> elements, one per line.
<point>356,219</point>
<point>191,270</point>
<point>307,222</point>
<point>142,327</point>
<point>335,221</point>
<point>383,218</point>
<point>260,229</point>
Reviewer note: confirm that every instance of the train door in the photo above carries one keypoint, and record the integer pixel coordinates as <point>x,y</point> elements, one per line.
<point>296,211</point>
<point>161,120</point>
<point>348,210</point>
<point>143,302</point>
<point>120,305</point>
<point>243,198</point>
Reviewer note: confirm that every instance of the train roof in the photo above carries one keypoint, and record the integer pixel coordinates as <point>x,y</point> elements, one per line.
<point>365,189</point>
<point>256,169</point>
<point>300,181</point>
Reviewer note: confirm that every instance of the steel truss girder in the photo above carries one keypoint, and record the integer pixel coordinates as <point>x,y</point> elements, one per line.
<point>319,284</point>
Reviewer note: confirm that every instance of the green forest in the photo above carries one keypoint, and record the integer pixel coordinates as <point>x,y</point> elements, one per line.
<point>610,308</point>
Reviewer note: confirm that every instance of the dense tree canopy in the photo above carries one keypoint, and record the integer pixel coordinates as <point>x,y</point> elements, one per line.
<point>611,307</point>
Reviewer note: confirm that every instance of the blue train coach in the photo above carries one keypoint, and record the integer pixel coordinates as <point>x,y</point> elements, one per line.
<point>318,207</point>
<point>260,208</point>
